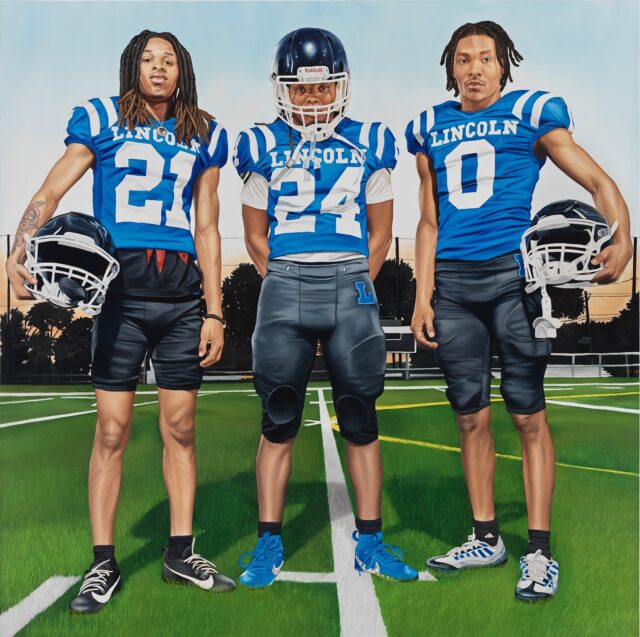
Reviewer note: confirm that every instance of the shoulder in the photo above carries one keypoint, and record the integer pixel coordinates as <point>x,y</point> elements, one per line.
<point>254,143</point>
<point>540,109</point>
<point>98,113</point>
<point>418,129</point>
<point>376,137</point>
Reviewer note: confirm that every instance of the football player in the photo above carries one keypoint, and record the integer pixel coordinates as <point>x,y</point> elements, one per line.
<point>153,152</point>
<point>478,160</point>
<point>317,210</point>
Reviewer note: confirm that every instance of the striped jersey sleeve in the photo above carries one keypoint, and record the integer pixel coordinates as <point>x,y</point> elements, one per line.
<point>217,150</point>
<point>253,144</point>
<point>381,142</point>
<point>89,118</point>
<point>543,111</point>
<point>417,131</point>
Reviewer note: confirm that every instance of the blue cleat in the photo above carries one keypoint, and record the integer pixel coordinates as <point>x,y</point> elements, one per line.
<point>383,560</point>
<point>267,560</point>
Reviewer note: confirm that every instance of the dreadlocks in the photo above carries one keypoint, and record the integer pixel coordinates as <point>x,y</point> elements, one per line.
<point>191,121</point>
<point>505,50</point>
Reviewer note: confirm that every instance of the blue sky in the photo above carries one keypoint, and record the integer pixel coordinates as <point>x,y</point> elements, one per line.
<point>57,54</point>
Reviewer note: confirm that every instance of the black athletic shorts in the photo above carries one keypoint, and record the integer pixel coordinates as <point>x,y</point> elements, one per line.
<point>128,328</point>
<point>477,304</point>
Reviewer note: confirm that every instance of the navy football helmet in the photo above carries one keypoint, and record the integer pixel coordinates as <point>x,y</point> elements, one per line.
<point>312,56</point>
<point>73,258</point>
<point>558,248</point>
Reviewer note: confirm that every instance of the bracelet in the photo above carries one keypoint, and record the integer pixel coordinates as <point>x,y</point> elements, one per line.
<point>217,318</point>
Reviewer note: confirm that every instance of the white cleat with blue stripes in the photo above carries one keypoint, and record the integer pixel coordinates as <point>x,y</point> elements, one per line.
<point>539,578</point>
<point>472,554</point>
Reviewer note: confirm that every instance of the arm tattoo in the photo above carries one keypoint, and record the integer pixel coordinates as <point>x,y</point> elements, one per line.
<point>29,223</point>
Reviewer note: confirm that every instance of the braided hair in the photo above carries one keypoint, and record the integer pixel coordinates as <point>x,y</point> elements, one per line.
<point>191,121</point>
<point>505,50</point>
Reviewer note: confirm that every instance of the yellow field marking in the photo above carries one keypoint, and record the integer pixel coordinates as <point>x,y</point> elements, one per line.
<point>497,400</point>
<point>504,456</point>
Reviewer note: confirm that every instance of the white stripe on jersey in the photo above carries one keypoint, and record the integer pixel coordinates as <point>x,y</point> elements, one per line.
<point>253,145</point>
<point>538,105</point>
<point>431,119</point>
<point>570,129</point>
<point>112,116</point>
<point>269,137</point>
<point>236,161</point>
<point>364,134</point>
<point>94,118</point>
<point>213,143</point>
<point>518,107</point>
<point>416,130</point>
<point>380,147</point>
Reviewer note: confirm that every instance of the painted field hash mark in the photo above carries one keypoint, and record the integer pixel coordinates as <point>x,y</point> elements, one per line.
<point>17,617</point>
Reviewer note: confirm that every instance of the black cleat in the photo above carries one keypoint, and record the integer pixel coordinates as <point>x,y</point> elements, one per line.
<point>101,582</point>
<point>192,569</point>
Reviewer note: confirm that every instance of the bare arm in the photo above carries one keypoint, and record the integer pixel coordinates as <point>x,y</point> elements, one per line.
<point>256,236</point>
<point>575,162</point>
<point>207,241</point>
<point>67,171</point>
<point>426,241</point>
<point>379,225</point>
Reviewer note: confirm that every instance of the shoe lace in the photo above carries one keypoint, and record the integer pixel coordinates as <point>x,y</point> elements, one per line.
<point>536,567</point>
<point>95,579</point>
<point>261,558</point>
<point>201,565</point>
<point>385,554</point>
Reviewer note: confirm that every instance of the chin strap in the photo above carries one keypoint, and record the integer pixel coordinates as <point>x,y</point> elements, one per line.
<point>546,326</point>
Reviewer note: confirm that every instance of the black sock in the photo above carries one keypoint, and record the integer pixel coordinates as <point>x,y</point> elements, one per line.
<point>539,541</point>
<point>102,552</point>
<point>369,527</point>
<point>486,531</point>
<point>274,528</point>
<point>178,544</point>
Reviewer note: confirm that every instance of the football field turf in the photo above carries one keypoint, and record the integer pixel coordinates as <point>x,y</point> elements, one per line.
<point>45,443</point>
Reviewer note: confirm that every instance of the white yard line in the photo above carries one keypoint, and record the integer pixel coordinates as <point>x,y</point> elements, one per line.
<point>359,608</point>
<point>18,402</point>
<point>17,617</point>
<point>307,577</point>
<point>622,410</point>
<point>59,416</point>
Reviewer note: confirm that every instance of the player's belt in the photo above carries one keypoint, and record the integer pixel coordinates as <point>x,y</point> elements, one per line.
<point>318,269</point>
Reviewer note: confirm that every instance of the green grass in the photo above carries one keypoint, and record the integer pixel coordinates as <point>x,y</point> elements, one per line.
<point>44,527</point>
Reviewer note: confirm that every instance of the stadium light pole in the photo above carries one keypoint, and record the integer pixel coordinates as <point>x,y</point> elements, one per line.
<point>6,346</point>
<point>397,277</point>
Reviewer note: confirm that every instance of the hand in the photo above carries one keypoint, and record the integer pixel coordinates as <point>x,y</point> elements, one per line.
<point>211,334</point>
<point>422,326</point>
<point>614,259</point>
<point>18,275</point>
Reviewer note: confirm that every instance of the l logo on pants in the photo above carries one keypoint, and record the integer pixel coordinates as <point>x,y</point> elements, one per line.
<point>364,297</point>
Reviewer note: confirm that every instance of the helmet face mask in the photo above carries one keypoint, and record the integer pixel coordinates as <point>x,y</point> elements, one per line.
<point>558,247</point>
<point>557,250</point>
<point>311,56</point>
<point>71,256</point>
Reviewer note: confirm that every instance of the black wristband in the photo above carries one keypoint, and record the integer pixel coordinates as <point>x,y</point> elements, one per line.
<point>217,318</point>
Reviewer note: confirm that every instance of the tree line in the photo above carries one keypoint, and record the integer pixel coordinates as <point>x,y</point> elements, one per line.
<point>49,343</point>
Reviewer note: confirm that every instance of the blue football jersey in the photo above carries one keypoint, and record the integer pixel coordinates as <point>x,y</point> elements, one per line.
<point>318,204</point>
<point>142,180</point>
<point>486,169</point>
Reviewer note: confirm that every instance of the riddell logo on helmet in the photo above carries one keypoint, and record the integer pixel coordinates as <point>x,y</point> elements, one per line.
<point>313,71</point>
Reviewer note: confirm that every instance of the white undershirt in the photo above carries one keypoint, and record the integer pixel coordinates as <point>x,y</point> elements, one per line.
<point>255,193</point>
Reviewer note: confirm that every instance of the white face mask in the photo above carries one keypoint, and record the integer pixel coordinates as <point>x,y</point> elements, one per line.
<point>67,285</point>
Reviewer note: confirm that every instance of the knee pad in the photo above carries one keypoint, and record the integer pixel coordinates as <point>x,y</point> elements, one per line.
<point>357,419</point>
<point>282,414</point>
<point>522,385</point>
<point>282,405</point>
<point>468,383</point>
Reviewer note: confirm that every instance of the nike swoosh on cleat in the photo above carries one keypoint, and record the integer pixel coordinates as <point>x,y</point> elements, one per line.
<point>103,599</point>
<point>276,569</point>
<point>206,584</point>
<point>373,571</point>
